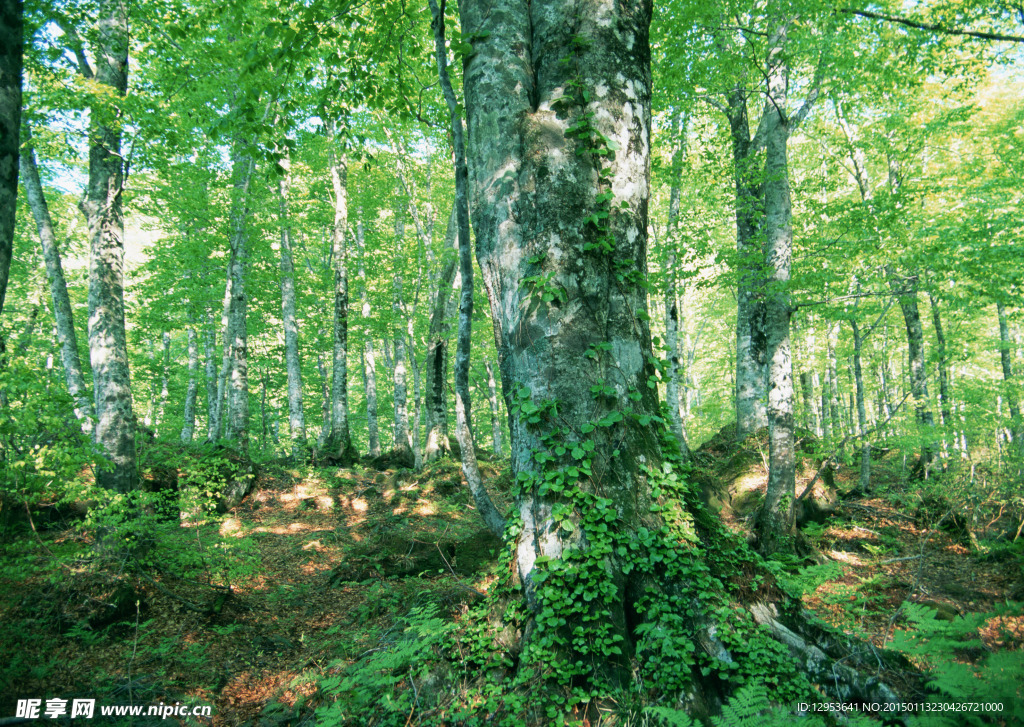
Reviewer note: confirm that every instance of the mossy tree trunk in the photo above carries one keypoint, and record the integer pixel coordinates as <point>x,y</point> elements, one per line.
<point>102,206</point>
<point>618,565</point>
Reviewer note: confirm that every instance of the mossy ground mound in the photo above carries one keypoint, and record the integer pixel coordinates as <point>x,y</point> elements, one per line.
<point>733,477</point>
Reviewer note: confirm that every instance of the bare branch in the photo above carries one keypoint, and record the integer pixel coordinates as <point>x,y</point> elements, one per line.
<point>935,27</point>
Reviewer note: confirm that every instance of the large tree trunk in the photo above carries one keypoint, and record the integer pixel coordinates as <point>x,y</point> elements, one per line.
<point>751,338</point>
<point>369,357</point>
<point>339,444</point>
<point>775,521</point>
<point>62,313</point>
<point>11,50</point>
<point>618,567</point>
<point>101,205</point>
<point>293,366</point>
<point>193,387</point>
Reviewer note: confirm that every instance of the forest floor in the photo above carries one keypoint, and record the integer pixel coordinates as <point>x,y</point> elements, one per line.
<point>329,560</point>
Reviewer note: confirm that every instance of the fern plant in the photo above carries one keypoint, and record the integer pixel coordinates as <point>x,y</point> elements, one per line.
<point>751,706</point>
<point>989,691</point>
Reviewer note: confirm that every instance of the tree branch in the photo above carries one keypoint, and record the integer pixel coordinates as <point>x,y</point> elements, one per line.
<point>934,27</point>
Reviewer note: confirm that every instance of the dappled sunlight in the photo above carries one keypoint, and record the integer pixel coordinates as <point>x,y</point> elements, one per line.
<point>425,508</point>
<point>844,557</point>
<point>290,529</point>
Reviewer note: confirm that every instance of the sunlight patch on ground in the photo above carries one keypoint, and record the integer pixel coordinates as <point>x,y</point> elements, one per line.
<point>844,557</point>
<point>425,508</point>
<point>231,527</point>
<point>290,529</point>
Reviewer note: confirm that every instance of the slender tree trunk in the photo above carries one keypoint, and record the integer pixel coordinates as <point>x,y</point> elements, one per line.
<point>340,442</point>
<point>414,434</point>
<point>945,388</point>
<point>209,351</point>
<point>403,442</point>
<point>437,351</point>
<point>672,341</point>
<point>63,316</point>
<point>325,407</point>
<point>945,385</point>
<point>216,427</point>
<point>12,47</point>
<point>193,386</point>
<point>1012,399</point>
<point>238,383</point>
<point>864,482</point>
<point>369,360</point>
<point>165,380</point>
<point>906,293</point>
<point>832,380</point>
<point>810,402</point>
<point>293,365</point>
<point>672,313</point>
<point>108,351</point>
<point>463,430</point>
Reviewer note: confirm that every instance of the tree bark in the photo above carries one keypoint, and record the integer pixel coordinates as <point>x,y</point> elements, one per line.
<point>11,57</point>
<point>832,380</point>
<point>237,424</point>
<point>216,427</point>
<point>63,316</point>
<point>775,522</point>
<point>339,444</point>
<point>1012,399</point>
<point>751,338</point>
<point>402,439</point>
<point>165,380</point>
<point>325,406</point>
<point>209,349</point>
<point>906,293</point>
<point>293,365</point>
<point>369,359</point>
<point>492,395</point>
<point>864,481</point>
<point>436,372</point>
<point>108,351</point>
<point>193,387</point>
<point>606,565</point>
<point>945,388</point>
<point>463,429</point>
<point>672,316</point>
